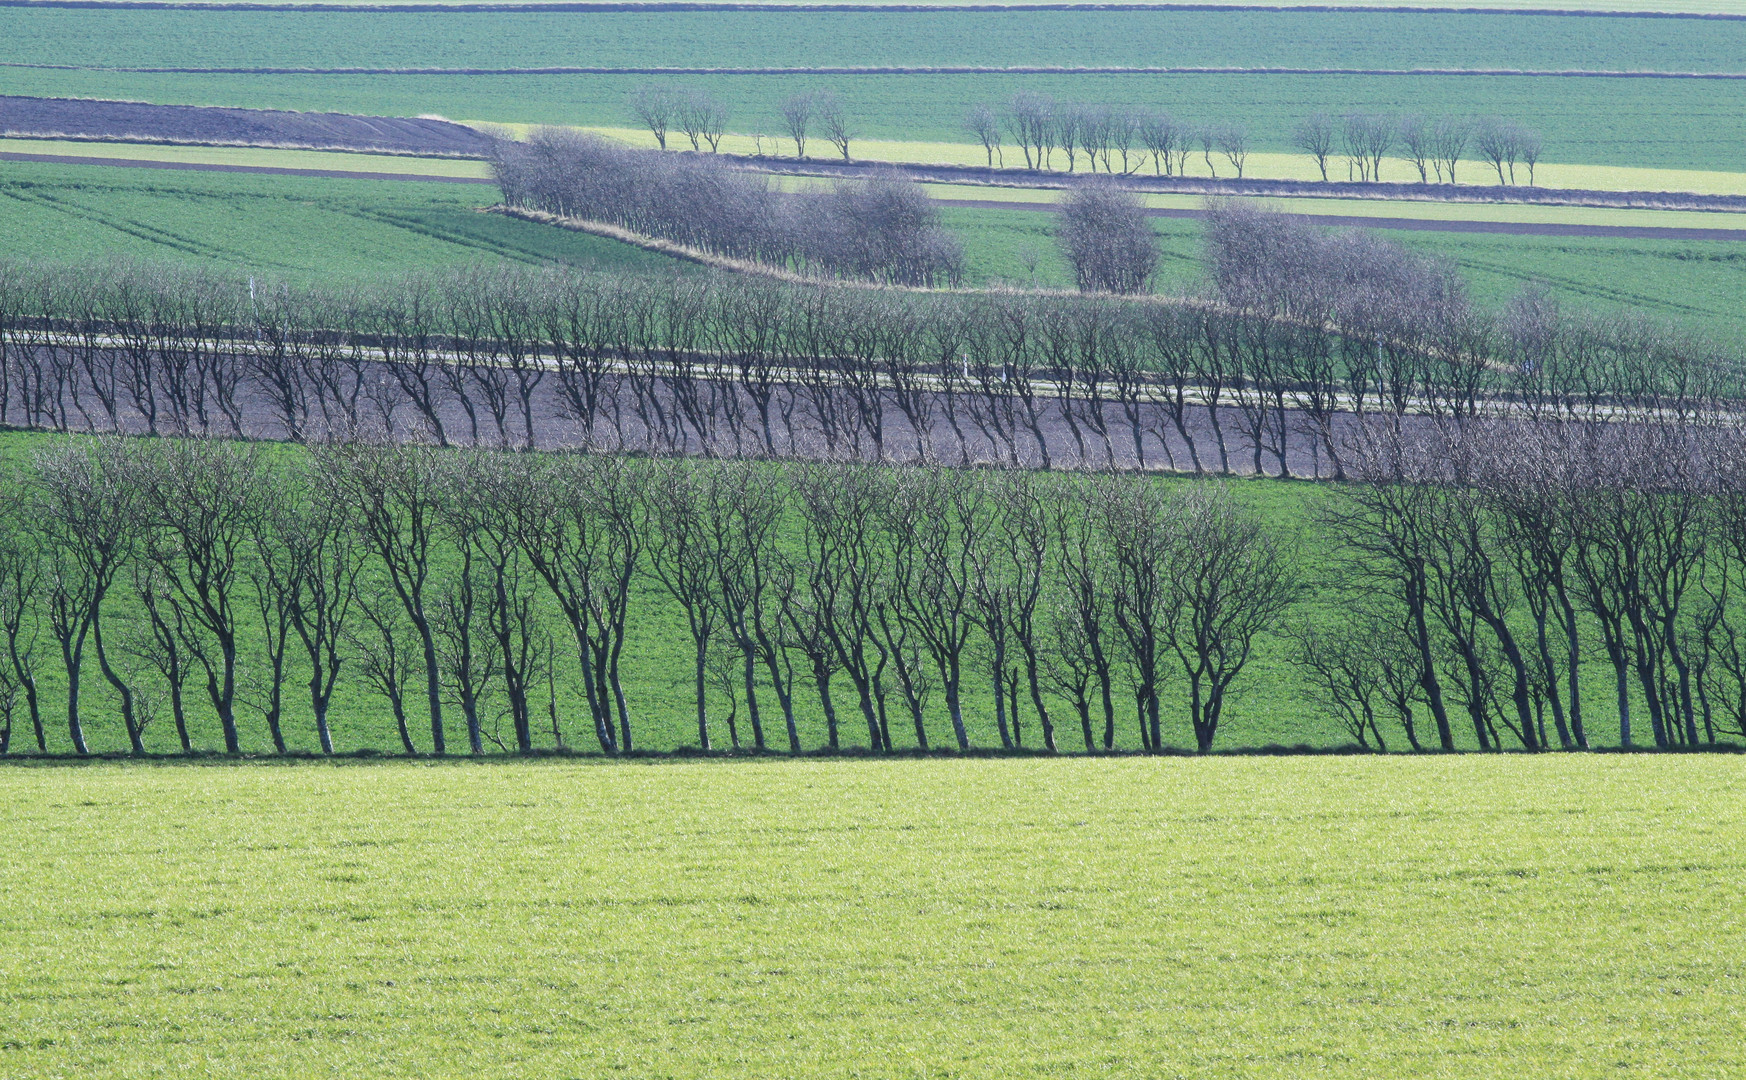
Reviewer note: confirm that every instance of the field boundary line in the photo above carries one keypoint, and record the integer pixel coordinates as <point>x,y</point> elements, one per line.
<point>1015,69</point>
<point>633,6</point>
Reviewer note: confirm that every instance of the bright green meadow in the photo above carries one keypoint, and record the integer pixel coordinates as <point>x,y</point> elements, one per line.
<point>1281,918</point>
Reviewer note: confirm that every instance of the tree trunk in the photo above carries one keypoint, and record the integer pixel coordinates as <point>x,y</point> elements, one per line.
<point>433,689</point>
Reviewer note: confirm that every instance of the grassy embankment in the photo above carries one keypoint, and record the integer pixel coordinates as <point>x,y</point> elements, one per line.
<point>1572,917</point>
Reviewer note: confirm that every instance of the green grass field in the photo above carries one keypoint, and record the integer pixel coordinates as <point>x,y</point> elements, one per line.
<point>1274,918</point>
<point>1635,122</point>
<point>1696,283</point>
<point>294,226</point>
<point>319,227</point>
<point>785,39</point>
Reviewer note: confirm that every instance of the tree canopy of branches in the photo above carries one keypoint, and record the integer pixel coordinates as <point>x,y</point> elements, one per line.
<point>882,229</point>
<point>1107,239</point>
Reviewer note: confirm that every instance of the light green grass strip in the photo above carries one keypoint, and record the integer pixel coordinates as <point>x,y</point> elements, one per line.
<point>269,157</point>
<point>1561,916</point>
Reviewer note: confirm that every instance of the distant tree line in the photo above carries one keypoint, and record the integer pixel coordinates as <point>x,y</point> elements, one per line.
<point>1123,141</point>
<point>1433,147</point>
<point>1304,332</point>
<point>702,119</point>
<point>880,229</point>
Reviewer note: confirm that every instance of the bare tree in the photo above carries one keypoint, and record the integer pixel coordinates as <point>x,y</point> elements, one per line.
<point>656,107</point>
<point>984,125</point>
<point>21,584</point>
<point>939,513</point>
<point>1139,534</point>
<point>681,561</point>
<point>392,493</point>
<point>1418,140</point>
<point>1162,139</point>
<point>86,505</point>
<point>1233,143</point>
<point>797,116</point>
<point>206,501</point>
<point>1448,143</point>
<point>1366,139</point>
<point>1315,137</point>
<point>834,122</point>
<point>385,658</point>
<point>1231,577</point>
<point>313,559</point>
<point>1108,240</point>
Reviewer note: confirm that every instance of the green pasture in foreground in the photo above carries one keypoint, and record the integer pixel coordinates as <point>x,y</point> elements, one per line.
<point>299,227</point>
<point>1270,918</point>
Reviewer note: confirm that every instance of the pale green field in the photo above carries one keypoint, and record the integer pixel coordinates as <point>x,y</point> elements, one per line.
<point>1563,916</point>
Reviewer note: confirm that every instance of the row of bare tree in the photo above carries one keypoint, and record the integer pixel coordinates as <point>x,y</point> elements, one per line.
<point>1307,330</point>
<point>880,230</point>
<point>472,580</point>
<point>1433,147</point>
<point>1119,140</point>
<point>1481,565</point>
<point>1476,586</point>
<point>1122,141</point>
<point>702,118</point>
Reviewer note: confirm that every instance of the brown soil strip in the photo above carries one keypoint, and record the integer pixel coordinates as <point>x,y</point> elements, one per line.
<point>270,170</point>
<point>132,120</point>
<point>1046,69</point>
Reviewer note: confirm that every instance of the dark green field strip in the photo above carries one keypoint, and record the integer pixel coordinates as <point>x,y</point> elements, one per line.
<point>1661,123</point>
<point>787,39</point>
